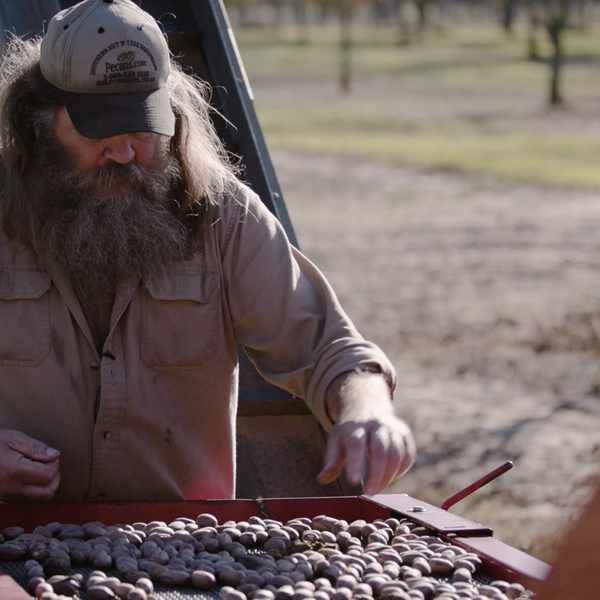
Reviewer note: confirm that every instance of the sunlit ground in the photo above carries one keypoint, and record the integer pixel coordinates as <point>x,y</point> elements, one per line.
<point>456,216</point>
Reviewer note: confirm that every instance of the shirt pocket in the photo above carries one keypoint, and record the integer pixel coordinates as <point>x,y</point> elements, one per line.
<point>180,315</point>
<point>24,317</point>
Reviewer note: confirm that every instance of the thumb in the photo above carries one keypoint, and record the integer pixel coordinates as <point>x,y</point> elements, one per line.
<point>30,448</point>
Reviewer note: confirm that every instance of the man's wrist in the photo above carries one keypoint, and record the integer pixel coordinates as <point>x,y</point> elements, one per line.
<point>354,391</point>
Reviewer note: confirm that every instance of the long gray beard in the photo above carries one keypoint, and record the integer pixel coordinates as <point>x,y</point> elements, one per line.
<point>107,225</point>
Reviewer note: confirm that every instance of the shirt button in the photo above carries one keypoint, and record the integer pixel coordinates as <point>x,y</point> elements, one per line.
<point>95,365</point>
<point>107,435</point>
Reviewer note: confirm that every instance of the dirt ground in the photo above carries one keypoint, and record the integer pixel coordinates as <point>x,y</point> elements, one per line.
<point>486,296</point>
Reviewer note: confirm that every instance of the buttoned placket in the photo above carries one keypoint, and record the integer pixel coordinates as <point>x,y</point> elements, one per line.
<point>111,402</point>
<point>111,407</point>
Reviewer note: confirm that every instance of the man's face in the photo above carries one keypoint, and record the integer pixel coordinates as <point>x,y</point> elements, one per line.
<point>136,148</point>
<point>104,209</point>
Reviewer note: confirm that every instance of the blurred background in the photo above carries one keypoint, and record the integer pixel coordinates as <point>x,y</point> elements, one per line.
<point>440,160</point>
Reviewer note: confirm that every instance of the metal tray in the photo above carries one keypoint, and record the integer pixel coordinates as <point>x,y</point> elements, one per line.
<point>500,561</point>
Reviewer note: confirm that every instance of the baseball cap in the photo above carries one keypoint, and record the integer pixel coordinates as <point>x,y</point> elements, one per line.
<point>111,60</point>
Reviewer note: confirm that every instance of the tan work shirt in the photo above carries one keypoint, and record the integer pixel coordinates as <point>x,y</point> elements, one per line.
<point>153,416</point>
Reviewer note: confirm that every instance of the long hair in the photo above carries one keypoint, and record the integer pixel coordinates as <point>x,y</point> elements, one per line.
<point>28,103</point>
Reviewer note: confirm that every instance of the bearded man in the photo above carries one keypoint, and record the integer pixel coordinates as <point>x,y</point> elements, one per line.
<point>132,260</point>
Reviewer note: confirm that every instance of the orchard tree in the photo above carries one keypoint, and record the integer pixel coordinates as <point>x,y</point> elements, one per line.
<point>532,30</point>
<point>509,13</point>
<point>344,10</point>
<point>422,7</point>
<point>246,11</point>
<point>403,27</point>
<point>301,20</point>
<point>553,15</point>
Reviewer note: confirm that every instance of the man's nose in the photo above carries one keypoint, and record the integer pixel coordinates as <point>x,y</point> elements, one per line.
<point>119,149</point>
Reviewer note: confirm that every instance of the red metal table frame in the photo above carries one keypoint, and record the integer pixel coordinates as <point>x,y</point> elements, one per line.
<point>499,560</point>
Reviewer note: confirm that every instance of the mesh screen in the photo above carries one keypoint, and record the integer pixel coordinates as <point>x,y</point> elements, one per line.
<point>16,569</point>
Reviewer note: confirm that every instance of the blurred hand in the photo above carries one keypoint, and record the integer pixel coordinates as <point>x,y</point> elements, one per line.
<point>366,432</point>
<point>28,468</point>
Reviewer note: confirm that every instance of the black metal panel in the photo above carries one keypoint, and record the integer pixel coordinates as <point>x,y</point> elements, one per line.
<point>233,89</point>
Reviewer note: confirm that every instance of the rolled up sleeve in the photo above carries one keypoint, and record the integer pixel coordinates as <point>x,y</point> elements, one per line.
<point>285,313</point>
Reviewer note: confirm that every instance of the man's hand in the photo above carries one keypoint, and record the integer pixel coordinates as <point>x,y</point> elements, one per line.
<point>28,468</point>
<point>366,431</point>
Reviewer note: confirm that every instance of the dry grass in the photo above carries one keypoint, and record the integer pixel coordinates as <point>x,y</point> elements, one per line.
<point>467,101</point>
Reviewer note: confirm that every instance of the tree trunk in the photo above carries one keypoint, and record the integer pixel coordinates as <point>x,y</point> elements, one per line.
<point>244,15</point>
<point>324,12</point>
<point>556,23</point>
<point>510,10</point>
<point>345,45</point>
<point>422,15</point>
<point>444,10</point>
<point>533,23</point>
<point>301,21</point>
<point>581,12</point>
<point>555,30</point>
<point>403,29</point>
<point>278,14</point>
